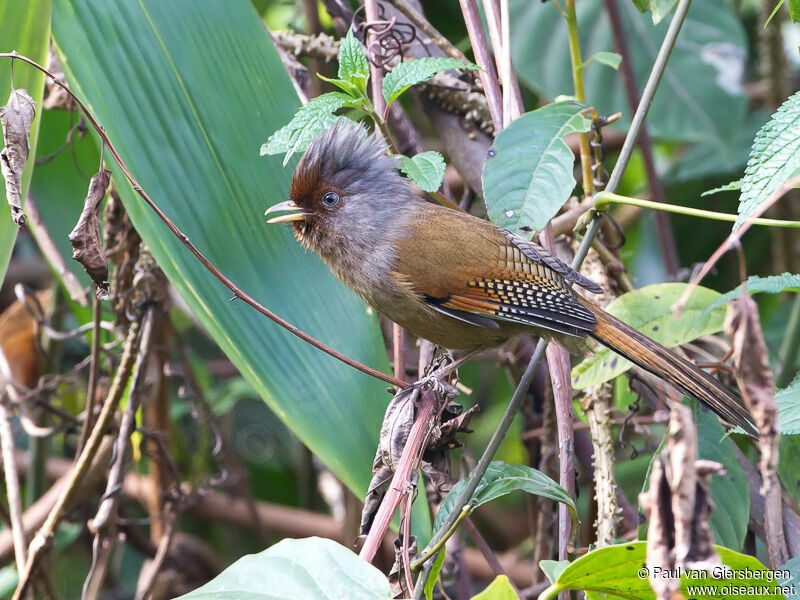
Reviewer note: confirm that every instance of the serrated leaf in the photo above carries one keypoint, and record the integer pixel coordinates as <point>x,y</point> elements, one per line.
<point>774,284</point>
<point>430,583</point>
<point>499,589</point>
<point>425,169</point>
<point>733,186</point>
<point>614,570</point>
<point>774,158</point>
<point>610,59</point>
<point>794,10</point>
<point>530,176</point>
<point>353,63</point>
<point>412,72</point>
<point>788,403</point>
<point>308,121</point>
<point>501,479</point>
<point>729,492</point>
<point>649,310</point>
<point>309,568</point>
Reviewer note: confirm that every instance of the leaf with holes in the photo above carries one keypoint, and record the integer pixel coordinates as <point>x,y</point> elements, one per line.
<point>501,479</point>
<point>308,568</point>
<point>412,72</point>
<point>613,572</point>
<point>353,63</point>
<point>307,122</point>
<point>529,177</point>
<point>425,169</point>
<point>774,158</point>
<point>649,310</point>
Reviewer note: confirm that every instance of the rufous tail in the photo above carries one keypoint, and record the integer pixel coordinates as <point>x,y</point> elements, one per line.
<point>672,368</point>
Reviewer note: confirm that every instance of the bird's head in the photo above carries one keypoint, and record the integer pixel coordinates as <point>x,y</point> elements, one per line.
<point>345,190</point>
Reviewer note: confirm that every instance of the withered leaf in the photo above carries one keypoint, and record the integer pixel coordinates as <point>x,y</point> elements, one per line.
<point>87,246</point>
<point>16,118</point>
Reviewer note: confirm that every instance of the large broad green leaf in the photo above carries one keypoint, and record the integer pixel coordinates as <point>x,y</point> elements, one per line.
<point>649,309</point>
<point>501,479</point>
<point>788,403</point>
<point>729,492</point>
<point>188,90</point>
<point>24,27</point>
<point>711,49</point>
<point>658,8</point>
<point>619,572</point>
<point>774,158</point>
<point>297,569</point>
<point>529,177</point>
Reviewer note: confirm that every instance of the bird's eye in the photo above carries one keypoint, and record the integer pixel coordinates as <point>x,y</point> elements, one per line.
<point>331,199</point>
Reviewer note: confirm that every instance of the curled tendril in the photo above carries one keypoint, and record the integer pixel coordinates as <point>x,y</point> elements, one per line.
<point>384,39</point>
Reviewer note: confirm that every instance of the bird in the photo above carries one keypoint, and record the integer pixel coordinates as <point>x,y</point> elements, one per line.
<point>453,278</point>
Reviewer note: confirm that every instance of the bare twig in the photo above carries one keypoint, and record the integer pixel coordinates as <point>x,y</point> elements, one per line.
<point>44,536</point>
<point>666,240</point>
<point>418,19</point>
<point>184,239</point>
<point>376,73</point>
<point>52,254</point>
<point>150,572</point>
<point>12,485</point>
<point>94,372</point>
<point>486,551</point>
<point>487,73</point>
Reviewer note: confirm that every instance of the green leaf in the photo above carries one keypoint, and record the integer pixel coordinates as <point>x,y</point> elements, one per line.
<point>733,186</point>
<point>659,8</point>
<point>793,566</point>
<point>649,310</point>
<point>412,72</point>
<point>774,158</point>
<point>430,583</point>
<point>788,402</point>
<point>307,122</point>
<point>794,10</point>
<point>24,27</point>
<point>712,48</point>
<point>187,91</point>
<point>729,492</point>
<point>353,63</point>
<point>610,59</point>
<point>614,570</point>
<point>773,284</point>
<point>293,569</point>
<point>553,568</point>
<point>499,589</point>
<point>425,169</point>
<point>501,479</point>
<point>789,464</point>
<point>530,176</point>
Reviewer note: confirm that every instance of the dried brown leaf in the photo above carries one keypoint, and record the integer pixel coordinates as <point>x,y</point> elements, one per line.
<point>87,245</point>
<point>757,385</point>
<point>16,118</point>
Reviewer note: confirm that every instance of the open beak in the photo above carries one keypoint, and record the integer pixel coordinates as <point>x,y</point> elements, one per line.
<point>295,212</point>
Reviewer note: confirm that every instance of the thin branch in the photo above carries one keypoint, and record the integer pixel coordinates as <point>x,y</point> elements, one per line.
<point>12,483</point>
<point>44,536</point>
<point>48,247</point>
<point>487,74</point>
<point>238,292</point>
<point>375,72</point>
<point>144,589</point>
<point>418,19</point>
<point>666,240</point>
<point>734,238</point>
<point>94,372</point>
